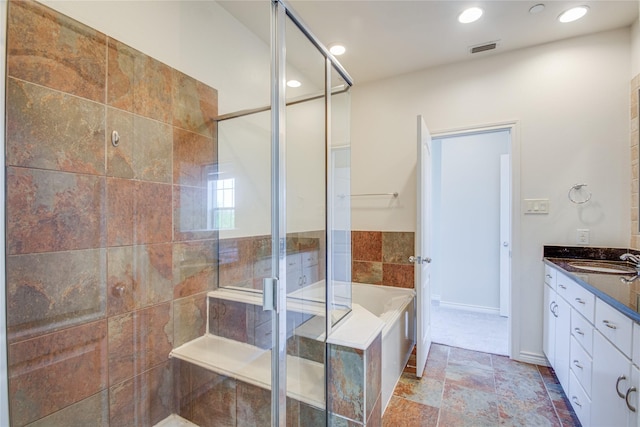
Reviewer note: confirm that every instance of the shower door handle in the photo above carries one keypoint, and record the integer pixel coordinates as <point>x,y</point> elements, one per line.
<point>269,286</point>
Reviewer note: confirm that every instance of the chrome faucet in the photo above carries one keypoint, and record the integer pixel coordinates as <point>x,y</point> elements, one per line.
<point>631,257</point>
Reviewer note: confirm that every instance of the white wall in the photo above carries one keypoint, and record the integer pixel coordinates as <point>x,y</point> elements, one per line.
<point>244,152</point>
<point>571,99</point>
<point>467,228</point>
<point>635,47</point>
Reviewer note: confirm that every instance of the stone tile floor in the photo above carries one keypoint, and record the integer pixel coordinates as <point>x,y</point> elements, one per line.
<point>469,388</point>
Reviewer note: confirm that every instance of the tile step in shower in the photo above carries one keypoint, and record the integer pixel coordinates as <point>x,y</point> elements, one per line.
<point>252,365</point>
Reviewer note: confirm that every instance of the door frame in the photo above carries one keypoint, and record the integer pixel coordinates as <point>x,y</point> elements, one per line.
<point>513,322</point>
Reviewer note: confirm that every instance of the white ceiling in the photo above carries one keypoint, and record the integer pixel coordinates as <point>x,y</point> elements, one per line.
<point>391,37</point>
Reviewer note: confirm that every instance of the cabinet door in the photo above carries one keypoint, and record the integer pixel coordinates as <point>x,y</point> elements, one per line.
<point>610,369</point>
<point>549,325</point>
<point>632,398</point>
<point>309,268</point>
<point>294,272</point>
<point>563,342</point>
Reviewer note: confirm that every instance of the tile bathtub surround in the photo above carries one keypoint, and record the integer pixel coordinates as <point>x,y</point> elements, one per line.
<point>382,258</point>
<point>354,384</point>
<point>108,259</point>
<point>468,388</point>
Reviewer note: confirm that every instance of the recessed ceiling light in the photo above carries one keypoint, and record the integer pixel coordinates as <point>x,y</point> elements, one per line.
<point>536,8</point>
<point>573,14</point>
<point>337,49</point>
<point>294,83</point>
<point>470,15</point>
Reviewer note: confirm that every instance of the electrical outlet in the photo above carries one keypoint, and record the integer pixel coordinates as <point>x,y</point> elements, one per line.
<point>582,236</point>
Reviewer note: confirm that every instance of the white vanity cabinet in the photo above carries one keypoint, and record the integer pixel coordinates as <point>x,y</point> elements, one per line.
<point>557,328</point>
<point>302,270</point>
<point>600,375</point>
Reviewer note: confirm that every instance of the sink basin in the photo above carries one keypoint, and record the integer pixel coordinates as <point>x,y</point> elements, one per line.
<point>603,267</point>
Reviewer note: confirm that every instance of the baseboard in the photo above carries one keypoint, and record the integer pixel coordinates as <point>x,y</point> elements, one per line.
<point>468,307</point>
<point>533,358</point>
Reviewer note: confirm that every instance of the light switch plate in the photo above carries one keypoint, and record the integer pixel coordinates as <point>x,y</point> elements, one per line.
<point>536,206</point>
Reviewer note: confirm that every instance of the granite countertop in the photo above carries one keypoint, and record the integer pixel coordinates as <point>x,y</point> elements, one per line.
<point>608,287</point>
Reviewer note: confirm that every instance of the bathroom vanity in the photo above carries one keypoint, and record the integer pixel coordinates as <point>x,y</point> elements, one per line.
<point>592,332</point>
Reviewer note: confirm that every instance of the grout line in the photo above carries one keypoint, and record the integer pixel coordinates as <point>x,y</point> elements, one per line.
<point>546,389</point>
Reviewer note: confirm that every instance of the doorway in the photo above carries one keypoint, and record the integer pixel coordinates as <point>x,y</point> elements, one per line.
<point>472,239</point>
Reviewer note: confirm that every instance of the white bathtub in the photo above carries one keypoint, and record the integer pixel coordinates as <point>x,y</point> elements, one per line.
<point>395,306</point>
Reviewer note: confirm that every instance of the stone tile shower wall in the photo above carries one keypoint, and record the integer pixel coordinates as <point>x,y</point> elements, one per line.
<point>382,258</point>
<point>109,259</point>
<point>635,164</point>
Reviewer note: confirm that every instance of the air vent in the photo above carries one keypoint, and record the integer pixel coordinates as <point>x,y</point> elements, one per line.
<point>483,47</point>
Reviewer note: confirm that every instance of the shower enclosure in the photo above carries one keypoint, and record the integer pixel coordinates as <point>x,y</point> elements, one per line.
<point>171,195</point>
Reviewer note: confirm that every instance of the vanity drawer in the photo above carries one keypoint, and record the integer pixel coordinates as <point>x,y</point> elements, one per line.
<point>615,326</point>
<point>309,259</point>
<point>582,300</point>
<point>579,401</point>
<point>550,276</point>
<point>581,364</point>
<point>564,285</point>
<point>582,330</point>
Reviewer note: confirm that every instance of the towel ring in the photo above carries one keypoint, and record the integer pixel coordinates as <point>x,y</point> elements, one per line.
<point>573,191</point>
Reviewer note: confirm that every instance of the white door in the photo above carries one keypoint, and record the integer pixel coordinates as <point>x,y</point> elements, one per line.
<point>505,235</point>
<point>423,246</point>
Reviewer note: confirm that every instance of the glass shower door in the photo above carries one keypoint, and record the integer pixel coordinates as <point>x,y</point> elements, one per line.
<point>306,236</point>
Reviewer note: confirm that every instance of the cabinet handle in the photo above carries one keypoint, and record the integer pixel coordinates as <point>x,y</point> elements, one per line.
<point>626,399</point>
<point>609,324</point>
<point>620,378</point>
<point>575,400</point>
<point>580,301</point>
<point>577,364</point>
<point>549,276</point>
<point>562,286</point>
<point>578,331</point>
